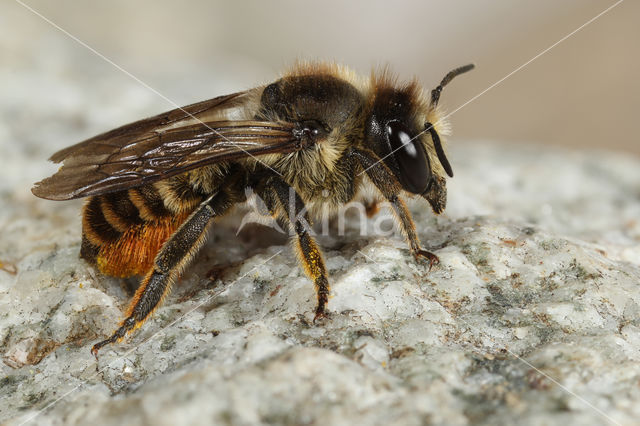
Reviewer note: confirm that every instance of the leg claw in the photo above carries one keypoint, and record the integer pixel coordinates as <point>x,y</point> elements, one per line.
<point>320,315</point>
<point>432,258</point>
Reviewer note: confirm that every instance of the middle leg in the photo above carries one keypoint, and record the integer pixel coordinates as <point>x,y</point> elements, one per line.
<point>284,203</point>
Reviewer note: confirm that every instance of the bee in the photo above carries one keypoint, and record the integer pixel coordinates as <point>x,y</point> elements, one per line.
<point>155,186</point>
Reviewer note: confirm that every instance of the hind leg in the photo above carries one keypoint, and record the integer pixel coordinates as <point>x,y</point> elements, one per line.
<point>176,253</point>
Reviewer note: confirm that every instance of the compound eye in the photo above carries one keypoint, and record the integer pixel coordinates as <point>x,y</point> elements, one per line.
<point>413,163</point>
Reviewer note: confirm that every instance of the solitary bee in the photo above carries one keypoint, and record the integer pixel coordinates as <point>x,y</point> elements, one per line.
<point>155,186</point>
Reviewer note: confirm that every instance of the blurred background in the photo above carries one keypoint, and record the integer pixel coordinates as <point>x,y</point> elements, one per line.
<point>583,93</point>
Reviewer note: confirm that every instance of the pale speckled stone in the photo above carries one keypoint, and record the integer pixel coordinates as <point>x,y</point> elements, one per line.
<point>539,273</point>
<point>403,346</point>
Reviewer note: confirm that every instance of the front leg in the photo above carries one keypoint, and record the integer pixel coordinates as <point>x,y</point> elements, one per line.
<point>388,185</point>
<point>285,203</point>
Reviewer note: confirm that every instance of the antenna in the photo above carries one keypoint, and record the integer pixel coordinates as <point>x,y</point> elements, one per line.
<point>428,127</point>
<point>435,93</point>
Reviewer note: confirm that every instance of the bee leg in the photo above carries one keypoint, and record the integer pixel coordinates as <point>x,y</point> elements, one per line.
<point>388,185</point>
<point>313,263</point>
<point>169,263</point>
<point>309,253</point>
<point>409,229</point>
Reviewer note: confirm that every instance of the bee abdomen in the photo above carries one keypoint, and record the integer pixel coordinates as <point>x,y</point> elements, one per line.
<point>95,226</point>
<point>119,211</point>
<point>148,202</point>
<point>123,231</point>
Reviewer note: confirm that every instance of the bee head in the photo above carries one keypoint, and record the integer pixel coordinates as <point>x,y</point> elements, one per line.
<point>399,133</point>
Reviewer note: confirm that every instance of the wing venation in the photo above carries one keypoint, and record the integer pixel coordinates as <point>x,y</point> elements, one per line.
<point>157,148</point>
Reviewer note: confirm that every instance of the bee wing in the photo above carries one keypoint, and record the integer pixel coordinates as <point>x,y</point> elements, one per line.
<point>159,147</point>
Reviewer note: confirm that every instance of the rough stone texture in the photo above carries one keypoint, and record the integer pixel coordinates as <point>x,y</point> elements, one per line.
<point>532,316</point>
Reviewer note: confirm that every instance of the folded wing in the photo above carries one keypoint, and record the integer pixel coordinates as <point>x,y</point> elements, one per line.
<point>160,147</point>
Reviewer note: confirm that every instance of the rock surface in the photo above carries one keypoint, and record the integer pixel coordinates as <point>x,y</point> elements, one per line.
<point>533,315</point>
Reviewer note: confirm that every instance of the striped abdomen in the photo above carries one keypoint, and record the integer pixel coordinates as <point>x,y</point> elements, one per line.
<point>123,231</point>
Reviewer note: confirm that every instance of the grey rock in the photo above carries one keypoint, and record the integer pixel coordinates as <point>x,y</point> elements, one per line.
<point>532,315</point>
